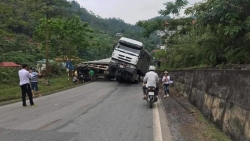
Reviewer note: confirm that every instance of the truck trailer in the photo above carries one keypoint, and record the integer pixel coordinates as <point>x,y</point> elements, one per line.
<point>100,67</point>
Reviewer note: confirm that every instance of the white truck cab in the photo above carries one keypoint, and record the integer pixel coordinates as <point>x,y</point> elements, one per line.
<point>129,60</point>
<point>127,50</point>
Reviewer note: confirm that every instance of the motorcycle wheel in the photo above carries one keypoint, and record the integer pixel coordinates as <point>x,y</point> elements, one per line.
<point>151,103</point>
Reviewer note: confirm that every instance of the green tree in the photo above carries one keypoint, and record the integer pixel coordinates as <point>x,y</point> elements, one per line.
<point>49,8</point>
<point>217,32</point>
<point>68,36</point>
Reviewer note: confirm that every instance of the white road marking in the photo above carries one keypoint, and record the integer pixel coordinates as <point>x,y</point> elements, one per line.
<point>156,123</point>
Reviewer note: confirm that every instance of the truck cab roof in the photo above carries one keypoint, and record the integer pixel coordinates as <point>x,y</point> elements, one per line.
<point>131,42</point>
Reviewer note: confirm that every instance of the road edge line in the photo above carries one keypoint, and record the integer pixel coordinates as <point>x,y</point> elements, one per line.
<point>157,124</point>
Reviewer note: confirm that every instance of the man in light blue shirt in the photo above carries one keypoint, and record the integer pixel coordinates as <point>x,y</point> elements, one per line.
<point>34,83</point>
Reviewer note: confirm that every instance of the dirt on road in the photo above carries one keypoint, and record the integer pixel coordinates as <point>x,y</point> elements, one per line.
<point>186,123</point>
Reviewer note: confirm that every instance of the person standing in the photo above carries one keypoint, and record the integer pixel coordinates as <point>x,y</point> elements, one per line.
<point>34,83</point>
<point>166,81</point>
<point>91,73</point>
<point>24,77</point>
<point>159,64</point>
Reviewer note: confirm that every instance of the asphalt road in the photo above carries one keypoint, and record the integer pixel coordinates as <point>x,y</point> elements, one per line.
<point>99,111</point>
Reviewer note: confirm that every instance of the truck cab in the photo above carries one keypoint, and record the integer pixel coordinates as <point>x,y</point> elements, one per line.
<point>127,50</point>
<point>129,60</point>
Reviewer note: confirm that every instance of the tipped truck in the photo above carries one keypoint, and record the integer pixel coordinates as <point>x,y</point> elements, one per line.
<point>129,60</point>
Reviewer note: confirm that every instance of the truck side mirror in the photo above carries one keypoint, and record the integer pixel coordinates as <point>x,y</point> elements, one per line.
<point>114,45</point>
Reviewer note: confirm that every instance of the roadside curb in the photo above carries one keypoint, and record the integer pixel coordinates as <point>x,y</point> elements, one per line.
<point>43,94</point>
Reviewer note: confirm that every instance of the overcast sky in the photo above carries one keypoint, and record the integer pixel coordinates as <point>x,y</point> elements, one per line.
<point>130,11</point>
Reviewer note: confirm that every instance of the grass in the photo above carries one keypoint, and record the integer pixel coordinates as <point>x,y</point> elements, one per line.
<point>201,66</point>
<point>212,132</point>
<point>13,92</point>
<point>201,128</point>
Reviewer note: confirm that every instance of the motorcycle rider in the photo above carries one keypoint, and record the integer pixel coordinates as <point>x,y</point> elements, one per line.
<point>151,79</point>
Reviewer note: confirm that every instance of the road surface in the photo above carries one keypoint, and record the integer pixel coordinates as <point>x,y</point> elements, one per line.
<point>99,111</point>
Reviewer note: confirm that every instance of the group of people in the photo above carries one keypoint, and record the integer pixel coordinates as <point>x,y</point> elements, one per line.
<point>152,79</point>
<point>28,83</point>
<point>80,76</point>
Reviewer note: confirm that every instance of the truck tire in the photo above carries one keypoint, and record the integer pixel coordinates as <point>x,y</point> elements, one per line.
<point>106,78</point>
<point>119,79</point>
<point>138,79</point>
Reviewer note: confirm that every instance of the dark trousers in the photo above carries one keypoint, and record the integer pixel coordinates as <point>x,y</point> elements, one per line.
<point>166,89</point>
<point>26,89</point>
<point>144,89</point>
<point>92,77</point>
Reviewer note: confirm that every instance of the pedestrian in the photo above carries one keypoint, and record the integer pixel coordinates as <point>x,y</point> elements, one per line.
<point>24,77</point>
<point>75,73</point>
<point>159,64</point>
<point>91,74</point>
<point>34,83</point>
<point>75,80</point>
<point>80,76</point>
<point>166,81</point>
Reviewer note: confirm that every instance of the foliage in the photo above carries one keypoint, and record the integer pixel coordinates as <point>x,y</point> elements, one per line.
<point>8,76</point>
<point>55,69</point>
<point>173,7</point>
<point>19,49</point>
<point>67,36</point>
<point>108,27</point>
<point>19,20</point>
<point>216,32</point>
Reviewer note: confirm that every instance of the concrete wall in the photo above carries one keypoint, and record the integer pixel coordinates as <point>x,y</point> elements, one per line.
<point>223,96</point>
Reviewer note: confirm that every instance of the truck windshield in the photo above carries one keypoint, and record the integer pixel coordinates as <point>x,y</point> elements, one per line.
<point>128,48</point>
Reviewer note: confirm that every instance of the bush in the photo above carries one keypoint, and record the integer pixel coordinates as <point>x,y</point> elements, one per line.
<point>53,70</point>
<point>9,76</point>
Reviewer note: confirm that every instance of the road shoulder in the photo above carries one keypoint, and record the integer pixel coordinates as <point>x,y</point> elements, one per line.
<point>166,134</point>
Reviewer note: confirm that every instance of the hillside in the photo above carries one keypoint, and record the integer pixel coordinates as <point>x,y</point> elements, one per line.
<point>22,32</point>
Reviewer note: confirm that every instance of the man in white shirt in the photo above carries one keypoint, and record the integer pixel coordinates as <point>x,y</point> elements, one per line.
<point>151,79</point>
<point>25,77</point>
<point>167,82</point>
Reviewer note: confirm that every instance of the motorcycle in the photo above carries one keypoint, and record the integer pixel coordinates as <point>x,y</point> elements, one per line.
<point>152,98</point>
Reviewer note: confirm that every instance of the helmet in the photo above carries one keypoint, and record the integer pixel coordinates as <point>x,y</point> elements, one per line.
<point>152,68</point>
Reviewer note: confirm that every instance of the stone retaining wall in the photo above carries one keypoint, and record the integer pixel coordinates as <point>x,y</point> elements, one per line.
<point>223,96</point>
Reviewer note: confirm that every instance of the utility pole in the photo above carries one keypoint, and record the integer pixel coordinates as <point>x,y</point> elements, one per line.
<point>47,39</point>
<point>160,41</point>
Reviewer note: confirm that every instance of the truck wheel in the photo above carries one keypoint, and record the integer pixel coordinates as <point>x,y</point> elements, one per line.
<point>119,79</point>
<point>106,78</point>
<point>137,79</point>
